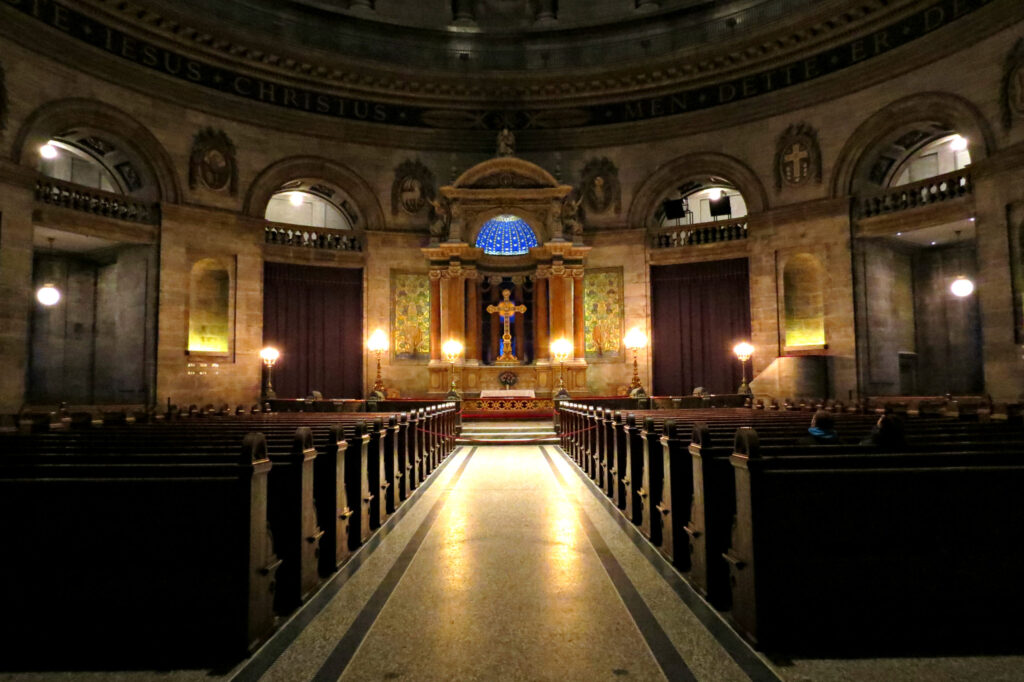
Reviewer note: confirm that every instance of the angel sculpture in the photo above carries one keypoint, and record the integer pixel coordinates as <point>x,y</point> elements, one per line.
<point>572,223</point>
<point>440,218</point>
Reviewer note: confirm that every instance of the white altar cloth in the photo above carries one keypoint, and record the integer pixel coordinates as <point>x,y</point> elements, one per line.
<point>520,393</point>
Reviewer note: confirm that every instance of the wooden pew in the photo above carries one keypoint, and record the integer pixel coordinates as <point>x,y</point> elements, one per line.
<point>880,553</point>
<point>136,560</point>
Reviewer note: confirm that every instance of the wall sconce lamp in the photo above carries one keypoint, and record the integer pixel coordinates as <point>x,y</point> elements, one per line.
<point>634,341</point>
<point>48,294</point>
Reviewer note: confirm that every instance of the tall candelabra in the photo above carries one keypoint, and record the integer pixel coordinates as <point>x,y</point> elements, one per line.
<point>452,349</point>
<point>561,350</point>
<point>269,357</point>
<point>743,351</point>
<point>378,343</point>
<point>634,341</point>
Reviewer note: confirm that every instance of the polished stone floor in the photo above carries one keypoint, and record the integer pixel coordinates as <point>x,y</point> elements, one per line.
<point>509,566</point>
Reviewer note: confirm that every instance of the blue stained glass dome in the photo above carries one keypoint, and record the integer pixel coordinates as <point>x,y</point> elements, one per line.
<point>506,235</point>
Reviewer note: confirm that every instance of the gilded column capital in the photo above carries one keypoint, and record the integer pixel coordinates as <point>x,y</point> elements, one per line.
<point>436,273</point>
<point>576,273</point>
<point>543,272</point>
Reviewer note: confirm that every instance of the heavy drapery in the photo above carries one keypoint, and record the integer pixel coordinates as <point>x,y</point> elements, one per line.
<point>314,316</point>
<point>700,311</point>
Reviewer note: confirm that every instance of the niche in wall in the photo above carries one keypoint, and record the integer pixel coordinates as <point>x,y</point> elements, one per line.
<point>803,289</point>
<point>210,310</point>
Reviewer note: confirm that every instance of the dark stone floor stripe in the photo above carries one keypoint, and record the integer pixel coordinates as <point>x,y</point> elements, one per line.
<point>665,653</point>
<point>734,645</point>
<point>346,648</point>
<point>264,658</point>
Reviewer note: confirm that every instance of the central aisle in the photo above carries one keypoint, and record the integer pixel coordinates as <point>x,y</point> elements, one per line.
<point>504,566</point>
<point>505,585</point>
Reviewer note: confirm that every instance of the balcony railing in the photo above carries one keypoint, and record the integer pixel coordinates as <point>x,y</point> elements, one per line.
<point>96,202</point>
<point>905,197</point>
<point>701,233</point>
<point>323,238</point>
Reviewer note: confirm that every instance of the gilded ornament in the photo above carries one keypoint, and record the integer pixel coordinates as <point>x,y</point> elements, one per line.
<point>212,163</point>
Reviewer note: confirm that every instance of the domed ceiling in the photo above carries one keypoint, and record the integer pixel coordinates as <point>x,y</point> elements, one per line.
<point>545,66</point>
<point>499,35</point>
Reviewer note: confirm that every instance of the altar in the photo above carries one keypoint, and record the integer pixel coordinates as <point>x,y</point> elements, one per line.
<point>508,393</point>
<point>506,264</point>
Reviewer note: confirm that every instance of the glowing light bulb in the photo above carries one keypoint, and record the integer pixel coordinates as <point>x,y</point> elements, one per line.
<point>296,198</point>
<point>269,355</point>
<point>715,193</point>
<point>48,294</point>
<point>743,350</point>
<point>635,339</point>
<point>378,341</point>
<point>48,151</point>
<point>958,143</point>
<point>962,286</point>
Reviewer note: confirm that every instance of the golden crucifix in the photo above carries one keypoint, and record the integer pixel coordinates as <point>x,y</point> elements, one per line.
<point>506,309</point>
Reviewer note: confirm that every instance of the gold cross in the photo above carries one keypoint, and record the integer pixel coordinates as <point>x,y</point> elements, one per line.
<point>505,310</point>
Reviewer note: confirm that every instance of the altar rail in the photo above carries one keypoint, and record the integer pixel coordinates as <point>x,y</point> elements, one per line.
<point>701,233</point>
<point>96,202</point>
<point>323,238</point>
<point>905,197</point>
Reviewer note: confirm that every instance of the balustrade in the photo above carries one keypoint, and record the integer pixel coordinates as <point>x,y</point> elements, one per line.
<point>96,202</point>
<point>331,240</point>
<point>702,233</point>
<point>905,197</point>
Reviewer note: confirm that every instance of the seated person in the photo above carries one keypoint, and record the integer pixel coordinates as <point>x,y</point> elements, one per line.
<point>887,433</point>
<point>822,430</point>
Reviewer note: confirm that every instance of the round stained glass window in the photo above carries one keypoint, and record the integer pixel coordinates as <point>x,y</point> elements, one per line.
<point>506,235</point>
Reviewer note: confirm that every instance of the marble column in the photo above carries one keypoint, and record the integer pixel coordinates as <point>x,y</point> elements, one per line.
<point>16,204</point>
<point>541,341</point>
<point>435,314</point>
<point>495,322</point>
<point>473,320</point>
<point>519,296</point>
<point>577,315</point>
<point>558,300</point>
<point>456,306</point>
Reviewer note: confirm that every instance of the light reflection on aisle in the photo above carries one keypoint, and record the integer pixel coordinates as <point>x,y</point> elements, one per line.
<point>564,552</point>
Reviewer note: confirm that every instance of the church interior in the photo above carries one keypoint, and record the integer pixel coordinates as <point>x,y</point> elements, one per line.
<point>511,339</point>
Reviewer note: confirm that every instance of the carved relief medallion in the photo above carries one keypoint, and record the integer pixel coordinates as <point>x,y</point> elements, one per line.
<point>412,188</point>
<point>797,156</point>
<point>1012,95</point>
<point>599,183</point>
<point>212,162</point>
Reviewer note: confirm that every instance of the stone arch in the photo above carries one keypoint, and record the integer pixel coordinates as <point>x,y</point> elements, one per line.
<point>59,116</point>
<point>272,178</point>
<point>901,118</point>
<point>803,295</point>
<point>506,185</point>
<point>506,171</point>
<point>692,166</point>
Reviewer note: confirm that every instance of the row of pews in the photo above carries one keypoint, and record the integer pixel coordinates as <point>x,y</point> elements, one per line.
<point>842,549</point>
<point>186,540</point>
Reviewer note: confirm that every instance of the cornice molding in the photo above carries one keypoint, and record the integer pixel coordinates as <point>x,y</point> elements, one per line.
<point>412,126</point>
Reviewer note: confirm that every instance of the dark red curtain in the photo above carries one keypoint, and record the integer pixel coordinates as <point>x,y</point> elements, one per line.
<point>314,316</point>
<point>700,311</point>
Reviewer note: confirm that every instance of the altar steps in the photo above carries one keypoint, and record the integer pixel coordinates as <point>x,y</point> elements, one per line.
<point>505,433</point>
